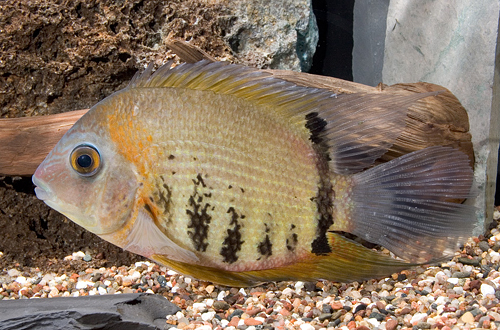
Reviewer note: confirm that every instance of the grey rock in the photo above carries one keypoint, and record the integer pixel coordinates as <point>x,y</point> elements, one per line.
<point>139,311</point>
<point>324,316</point>
<point>370,18</point>
<point>461,274</point>
<point>473,262</point>
<point>265,34</point>
<point>437,42</point>
<point>484,246</point>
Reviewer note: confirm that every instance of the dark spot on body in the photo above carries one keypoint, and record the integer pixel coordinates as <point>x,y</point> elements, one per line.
<point>324,196</point>
<point>291,242</point>
<point>199,180</point>
<point>316,126</point>
<point>230,187</point>
<point>265,248</point>
<point>242,190</point>
<point>199,218</point>
<point>171,157</point>
<point>232,242</point>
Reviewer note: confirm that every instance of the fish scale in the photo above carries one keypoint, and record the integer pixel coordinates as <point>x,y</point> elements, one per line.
<point>232,176</point>
<point>222,162</point>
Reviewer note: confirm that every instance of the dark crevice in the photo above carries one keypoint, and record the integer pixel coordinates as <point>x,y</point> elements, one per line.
<point>333,55</point>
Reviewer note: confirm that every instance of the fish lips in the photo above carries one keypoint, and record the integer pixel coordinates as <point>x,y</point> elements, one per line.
<point>42,191</point>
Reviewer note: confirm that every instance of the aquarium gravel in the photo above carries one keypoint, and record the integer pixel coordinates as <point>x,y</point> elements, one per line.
<point>460,294</point>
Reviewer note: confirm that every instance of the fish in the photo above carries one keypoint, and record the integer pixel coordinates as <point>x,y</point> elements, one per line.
<point>230,175</point>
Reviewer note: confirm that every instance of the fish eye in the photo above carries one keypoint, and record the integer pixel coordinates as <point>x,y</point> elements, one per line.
<point>85,160</point>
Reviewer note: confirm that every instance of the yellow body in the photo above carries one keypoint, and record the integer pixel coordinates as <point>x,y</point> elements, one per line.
<point>216,159</point>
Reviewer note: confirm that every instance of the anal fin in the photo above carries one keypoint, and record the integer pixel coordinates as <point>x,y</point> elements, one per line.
<point>348,261</point>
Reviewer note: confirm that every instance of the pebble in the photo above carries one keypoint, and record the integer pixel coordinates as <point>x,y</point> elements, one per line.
<point>461,294</point>
<point>391,324</point>
<point>467,317</point>
<point>487,289</point>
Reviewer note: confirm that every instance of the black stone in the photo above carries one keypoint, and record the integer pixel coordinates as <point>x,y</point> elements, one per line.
<point>237,312</point>
<point>139,311</point>
<point>377,316</point>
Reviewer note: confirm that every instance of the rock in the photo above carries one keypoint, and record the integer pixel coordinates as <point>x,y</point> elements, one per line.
<point>265,35</point>
<point>467,317</point>
<point>461,274</point>
<point>487,289</point>
<point>221,305</point>
<point>391,324</point>
<point>127,312</point>
<point>472,262</point>
<point>307,326</point>
<point>484,246</point>
<point>251,321</point>
<point>324,316</point>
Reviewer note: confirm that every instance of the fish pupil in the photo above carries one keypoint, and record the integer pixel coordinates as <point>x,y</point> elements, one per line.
<point>84,161</point>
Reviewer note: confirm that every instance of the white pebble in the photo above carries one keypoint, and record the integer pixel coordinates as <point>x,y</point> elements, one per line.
<point>83,284</point>
<point>242,291</point>
<point>78,255</point>
<point>221,295</point>
<point>205,327</point>
<point>287,292</point>
<point>418,317</point>
<point>107,283</point>
<point>21,280</point>
<point>373,322</point>
<point>487,289</point>
<point>298,286</point>
<point>199,306</point>
<point>135,276</point>
<point>209,302</point>
<point>224,323</point>
<point>13,272</point>
<point>453,280</point>
<point>441,277</point>
<point>306,326</point>
<point>208,316</point>
<point>187,280</point>
<point>102,290</point>
<point>458,290</point>
<point>171,272</point>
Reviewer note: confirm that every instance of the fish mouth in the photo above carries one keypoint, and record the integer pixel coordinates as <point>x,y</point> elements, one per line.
<point>41,190</point>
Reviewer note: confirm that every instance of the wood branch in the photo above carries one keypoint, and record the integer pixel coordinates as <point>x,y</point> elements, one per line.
<point>25,142</point>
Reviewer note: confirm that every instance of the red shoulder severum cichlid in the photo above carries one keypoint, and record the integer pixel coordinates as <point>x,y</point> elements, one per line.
<point>230,175</point>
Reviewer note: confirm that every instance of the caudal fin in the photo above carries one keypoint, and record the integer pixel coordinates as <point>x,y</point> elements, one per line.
<point>405,204</point>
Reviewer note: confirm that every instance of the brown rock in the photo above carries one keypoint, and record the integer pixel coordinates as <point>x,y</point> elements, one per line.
<point>251,321</point>
<point>391,324</point>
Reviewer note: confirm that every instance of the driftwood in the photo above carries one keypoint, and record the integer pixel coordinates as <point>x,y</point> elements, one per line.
<point>438,120</point>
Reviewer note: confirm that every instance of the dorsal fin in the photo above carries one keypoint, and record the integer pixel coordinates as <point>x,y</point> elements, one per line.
<point>354,129</point>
